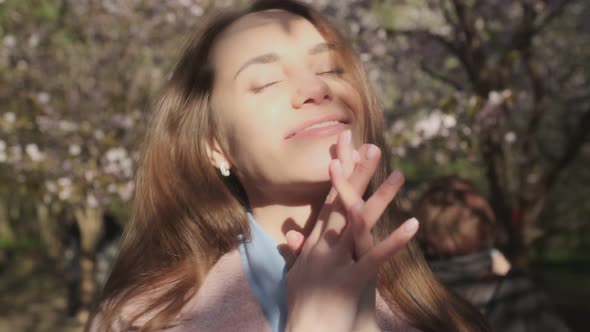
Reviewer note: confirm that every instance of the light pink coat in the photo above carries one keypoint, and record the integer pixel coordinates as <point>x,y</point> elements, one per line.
<point>225,303</point>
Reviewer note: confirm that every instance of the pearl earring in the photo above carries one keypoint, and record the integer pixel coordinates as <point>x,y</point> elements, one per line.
<point>223,167</point>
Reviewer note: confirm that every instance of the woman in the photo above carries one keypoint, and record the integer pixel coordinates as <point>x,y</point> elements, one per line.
<point>457,234</point>
<point>266,136</point>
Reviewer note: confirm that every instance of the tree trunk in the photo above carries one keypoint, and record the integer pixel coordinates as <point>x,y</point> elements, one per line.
<point>529,230</point>
<point>47,230</point>
<point>90,223</point>
<point>6,233</point>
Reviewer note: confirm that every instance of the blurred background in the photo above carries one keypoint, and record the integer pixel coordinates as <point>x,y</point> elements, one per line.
<point>494,91</point>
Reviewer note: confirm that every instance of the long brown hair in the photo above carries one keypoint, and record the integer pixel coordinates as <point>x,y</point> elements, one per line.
<point>185,216</point>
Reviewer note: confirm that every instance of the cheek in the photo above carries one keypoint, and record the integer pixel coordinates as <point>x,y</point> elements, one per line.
<point>254,147</point>
<point>351,97</point>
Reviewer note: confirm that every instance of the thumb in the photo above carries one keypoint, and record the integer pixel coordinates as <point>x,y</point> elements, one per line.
<point>295,241</point>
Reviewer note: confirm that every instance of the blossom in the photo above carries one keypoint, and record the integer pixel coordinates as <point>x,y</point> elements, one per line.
<point>9,41</point>
<point>510,137</point>
<point>9,117</point>
<point>43,97</point>
<point>75,149</point>
<point>34,153</point>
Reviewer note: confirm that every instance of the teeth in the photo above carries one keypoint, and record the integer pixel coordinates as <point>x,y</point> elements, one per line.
<point>320,125</point>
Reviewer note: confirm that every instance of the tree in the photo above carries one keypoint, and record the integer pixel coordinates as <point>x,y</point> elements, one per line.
<point>516,75</point>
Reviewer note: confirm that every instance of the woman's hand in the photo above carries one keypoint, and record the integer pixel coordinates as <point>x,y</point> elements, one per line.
<point>338,262</point>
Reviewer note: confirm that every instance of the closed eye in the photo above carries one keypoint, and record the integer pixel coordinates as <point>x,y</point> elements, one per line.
<point>335,71</point>
<point>258,89</point>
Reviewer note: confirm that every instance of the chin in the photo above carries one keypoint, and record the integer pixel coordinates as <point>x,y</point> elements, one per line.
<point>315,170</point>
<point>310,162</point>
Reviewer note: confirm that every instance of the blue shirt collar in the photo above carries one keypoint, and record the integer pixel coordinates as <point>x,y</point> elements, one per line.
<point>265,269</point>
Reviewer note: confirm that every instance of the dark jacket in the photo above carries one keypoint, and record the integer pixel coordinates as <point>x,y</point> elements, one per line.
<point>512,303</point>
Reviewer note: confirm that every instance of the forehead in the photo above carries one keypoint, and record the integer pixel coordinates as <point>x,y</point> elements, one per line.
<point>263,32</point>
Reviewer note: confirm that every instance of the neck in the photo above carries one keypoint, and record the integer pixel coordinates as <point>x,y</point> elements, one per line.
<point>279,216</point>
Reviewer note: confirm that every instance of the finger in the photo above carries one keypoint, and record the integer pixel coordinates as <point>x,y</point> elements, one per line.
<point>382,251</point>
<point>347,195</point>
<point>378,202</point>
<point>344,151</point>
<point>295,241</point>
<point>361,233</point>
<point>369,155</point>
<point>331,224</point>
<point>320,225</point>
<point>356,157</point>
<point>331,197</point>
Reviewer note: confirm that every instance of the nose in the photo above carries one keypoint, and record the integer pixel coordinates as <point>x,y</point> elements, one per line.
<point>309,90</point>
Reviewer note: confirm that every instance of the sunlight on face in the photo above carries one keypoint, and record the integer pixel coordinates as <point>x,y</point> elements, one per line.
<point>282,99</point>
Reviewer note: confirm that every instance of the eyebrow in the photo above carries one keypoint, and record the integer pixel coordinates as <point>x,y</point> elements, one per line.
<point>273,57</point>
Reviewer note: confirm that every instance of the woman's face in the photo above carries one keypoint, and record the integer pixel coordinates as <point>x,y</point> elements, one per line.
<point>282,100</point>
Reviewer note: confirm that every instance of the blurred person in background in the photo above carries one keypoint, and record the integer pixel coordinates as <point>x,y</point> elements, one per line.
<point>457,234</point>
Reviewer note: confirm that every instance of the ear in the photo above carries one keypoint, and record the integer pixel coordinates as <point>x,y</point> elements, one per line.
<point>216,154</point>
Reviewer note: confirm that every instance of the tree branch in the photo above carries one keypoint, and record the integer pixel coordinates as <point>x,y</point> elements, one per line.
<point>440,77</point>
<point>573,146</point>
<point>425,34</point>
<point>543,21</point>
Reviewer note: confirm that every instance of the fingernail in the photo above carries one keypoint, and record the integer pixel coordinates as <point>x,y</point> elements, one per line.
<point>372,152</point>
<point>411,225</point>
<point>355,156</point>
<point>348,136</point>
<point>395,178</point>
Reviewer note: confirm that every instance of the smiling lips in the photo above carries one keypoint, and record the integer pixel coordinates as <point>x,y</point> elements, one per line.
<point>323,126</point>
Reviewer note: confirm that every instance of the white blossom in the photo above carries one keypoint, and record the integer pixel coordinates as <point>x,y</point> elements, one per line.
<point>91,201</point>
<point>449,121</point>
<point>510,137</point>
<point>65,193</point>
<point>355,28</point>
<point>34,153</point>
<point>415,141</point>
<point>170,17</point>
<point>9,117</point>
<point>51,186</point>
<point>112,188</point>
<point>33,40</point>
<point>196,10</point>
<point>88,175</point>
<point>67,126</point>
<point>399,126</point>
<point>436,123</point>
<point>64,182</point>
<point>98,134</point>
<point>495,98</point>
<point>9,41</point>
<point>43,97</point>
<point>115,154</point>
<point>75,149</point>
<point>441,158</point>
<point>399,151</point>
<point>126,191</point>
